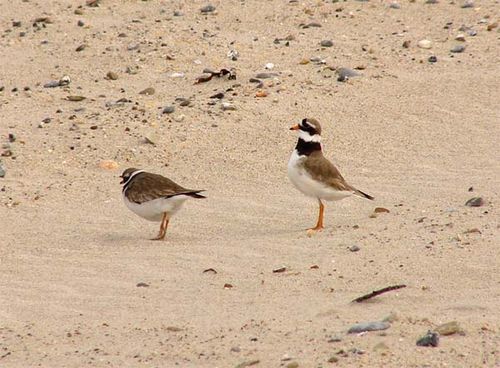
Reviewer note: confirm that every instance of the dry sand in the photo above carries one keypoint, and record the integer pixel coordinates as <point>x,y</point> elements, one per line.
<point>414,134</point>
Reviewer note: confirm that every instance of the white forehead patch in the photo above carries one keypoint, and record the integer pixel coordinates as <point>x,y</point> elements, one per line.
<point>305,136</point>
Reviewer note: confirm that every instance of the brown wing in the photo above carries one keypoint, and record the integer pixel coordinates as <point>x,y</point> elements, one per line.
<point>146,187</point>
<point>321,169</point>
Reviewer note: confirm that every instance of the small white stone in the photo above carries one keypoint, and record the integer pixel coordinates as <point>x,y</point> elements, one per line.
<point>177,75</point>
<point>425,44</point>
<point>226,106</point>
<point>269,66</point>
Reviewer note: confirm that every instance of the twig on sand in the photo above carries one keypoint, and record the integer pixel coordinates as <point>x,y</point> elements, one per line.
<point>377,292</point>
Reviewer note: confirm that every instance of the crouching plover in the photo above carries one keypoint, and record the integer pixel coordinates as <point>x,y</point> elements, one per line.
<point>154,197</point>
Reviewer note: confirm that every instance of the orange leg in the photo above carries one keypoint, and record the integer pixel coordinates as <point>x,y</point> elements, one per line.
<point>319,224</point>
<point>163,227</point>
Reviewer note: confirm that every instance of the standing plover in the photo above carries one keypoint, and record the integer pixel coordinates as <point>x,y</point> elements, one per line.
<point>313,174</point>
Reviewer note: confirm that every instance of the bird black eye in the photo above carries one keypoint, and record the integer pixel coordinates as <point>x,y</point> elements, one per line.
<point>304,122</point>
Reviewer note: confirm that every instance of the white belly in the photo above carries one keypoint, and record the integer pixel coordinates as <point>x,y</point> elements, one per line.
<point>154,210</point>
<point>301,179</point>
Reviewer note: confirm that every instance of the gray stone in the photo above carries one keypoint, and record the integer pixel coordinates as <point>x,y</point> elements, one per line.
<point>475,202</point>
<point>429,339</point>
<point>468,4</point>
<point>369,326</point>
<point>326,43</point>
<point>458,49</point>
<point>2,171</point>
<point>208,9</point>
<point>168,109</point>
<point>266,75</point>
<point>354,248</point>
<point>346,73</point>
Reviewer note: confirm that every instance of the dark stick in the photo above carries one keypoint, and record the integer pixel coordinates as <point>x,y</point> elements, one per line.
<point>377,292</point>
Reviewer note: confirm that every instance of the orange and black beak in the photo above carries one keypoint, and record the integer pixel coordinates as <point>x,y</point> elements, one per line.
<point>295,127</point>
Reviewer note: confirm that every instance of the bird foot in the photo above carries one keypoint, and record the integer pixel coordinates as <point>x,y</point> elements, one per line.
<point>314,230</point>
<point>158,237</point>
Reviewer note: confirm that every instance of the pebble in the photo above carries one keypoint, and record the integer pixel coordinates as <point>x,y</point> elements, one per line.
<point>81,48</point>
<point>266,75</point>
<point>148,91</point>
<point>346,73</point>
<point>142,284</point>
<point>177,75</point>
<point>429,339</point>
<point>269,66</point>
<point>233,55</point>
<point>492,26</point>
<point>333,359</point>
<point>179,118</point>
<point>326,43</point>
<point>133,46</point>
<point>467,4</point>
<point>65,80</point>
<point>248,363</point>
<point>226,106</point>
<point>292,365</point>
<point>460,37</point>
<point>108,165</point>
<point>76,98</point>
<point>449,328</point>
<point>168,109</point>
<point>475,202</point>
<point>381,210</point>
<point>458,49</point>
<point>112,76</point>
<point>395,5</point>
<point>52,84</point>
<point>151,138</point>
<point>334,339</point>
<point>208,9</point>
<point>432,59</point>
<point>369,326</point>
<point>2,171</point>
<point>406,44</point>
<point>354,248</point>
<point>424,44</point>
<point>80,23</point>
<point>235,349</point>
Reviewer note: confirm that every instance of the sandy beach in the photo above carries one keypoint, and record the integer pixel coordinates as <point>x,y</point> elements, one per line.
<point>87,91</point>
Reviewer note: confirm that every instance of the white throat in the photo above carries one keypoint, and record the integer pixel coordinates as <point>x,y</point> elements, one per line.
<point>306,137</point>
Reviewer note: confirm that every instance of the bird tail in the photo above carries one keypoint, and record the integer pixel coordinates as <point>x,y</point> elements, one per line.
<point>363,194</point>
<point>196,194</point>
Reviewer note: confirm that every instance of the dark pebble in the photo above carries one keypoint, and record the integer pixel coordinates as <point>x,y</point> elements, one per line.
<point>475,202</point>
<point>326,43</point>
<point>80,23</point>
<point>142,284</point>
<point>2,171</point>
<point>81,48</point>
<point>219,95</point>
<point>354,248</point>
<point>433,59</point>
<point>208,9</point>
<point>168,109</point>
<point>429,339</point>
<point>16,23</point>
